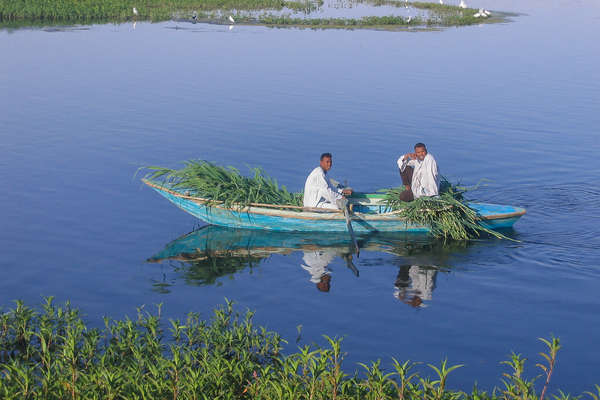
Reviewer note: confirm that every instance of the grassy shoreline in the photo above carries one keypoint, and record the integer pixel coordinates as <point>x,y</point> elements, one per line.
<point>25,13</point>
<point>52,354</point>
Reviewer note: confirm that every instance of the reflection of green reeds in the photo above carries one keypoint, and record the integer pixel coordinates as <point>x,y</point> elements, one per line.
<point>448,214</point>
<point>225,184</point>
<point>52,354</point>
<point>205,268</point>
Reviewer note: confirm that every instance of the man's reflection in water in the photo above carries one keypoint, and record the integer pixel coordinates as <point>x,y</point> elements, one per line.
<point>415,284</point>
<point>316,262</point>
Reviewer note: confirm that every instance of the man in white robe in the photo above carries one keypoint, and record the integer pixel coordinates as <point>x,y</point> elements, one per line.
<point>315,263</point>
<point>318,189</point>
<point>419,173</point>
<point>415,284</point>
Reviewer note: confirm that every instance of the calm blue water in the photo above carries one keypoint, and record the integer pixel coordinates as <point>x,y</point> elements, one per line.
<point>515,103</point>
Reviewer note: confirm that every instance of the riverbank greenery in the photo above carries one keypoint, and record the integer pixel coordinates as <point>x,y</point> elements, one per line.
<point>224,184</point>
<point>53,354</point>
<point>15,13</point>
<point>448,214</point>
<point>122,10</point>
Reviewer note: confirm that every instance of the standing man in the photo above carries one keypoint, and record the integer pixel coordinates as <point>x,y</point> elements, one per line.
<point>419,174</point>
<point>315,263</point>
<point>318,189</point>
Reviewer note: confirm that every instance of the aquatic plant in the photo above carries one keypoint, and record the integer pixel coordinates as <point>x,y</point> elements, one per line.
<point>224,184</point>
<point>122,10</point>
<point>448,214</point>
<point>15,13</point>
<point>53,354</point>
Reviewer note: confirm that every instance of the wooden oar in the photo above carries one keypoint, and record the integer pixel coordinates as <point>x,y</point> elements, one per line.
<point>350,230</point>
<point>350,264</point>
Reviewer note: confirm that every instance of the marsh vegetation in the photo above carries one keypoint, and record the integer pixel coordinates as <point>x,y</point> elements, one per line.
<point>53,354</point>
<point>299,13</point>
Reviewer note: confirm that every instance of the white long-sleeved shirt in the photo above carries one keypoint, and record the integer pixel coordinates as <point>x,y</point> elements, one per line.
<point>426,178</point>
<point>316,262</point>
<point>319,192</point>
<point>422,281</point>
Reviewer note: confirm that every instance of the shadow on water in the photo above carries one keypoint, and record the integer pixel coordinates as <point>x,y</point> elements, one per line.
<point>211,252</point>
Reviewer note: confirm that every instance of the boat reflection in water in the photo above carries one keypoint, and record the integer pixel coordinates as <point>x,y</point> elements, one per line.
<point>211,252</point>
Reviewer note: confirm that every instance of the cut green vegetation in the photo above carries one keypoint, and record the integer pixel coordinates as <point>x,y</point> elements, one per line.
<point>224,184</point>
<point>52,354</point>
<point>448,214</point>
<point>15,13</point>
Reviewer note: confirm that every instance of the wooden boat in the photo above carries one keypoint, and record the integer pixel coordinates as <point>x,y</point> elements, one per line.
<point>369,214</point>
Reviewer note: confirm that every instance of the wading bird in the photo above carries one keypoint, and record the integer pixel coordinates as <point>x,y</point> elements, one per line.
<point>462,4</point>
<point>442,2</point>
<point>231,19</point>
<point>409,19</point>
<point>135,11</point>
<point>195,16</point>
<point>482,13</point>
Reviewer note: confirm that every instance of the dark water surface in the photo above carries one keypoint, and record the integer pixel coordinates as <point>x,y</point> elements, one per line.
<point>515,103</point>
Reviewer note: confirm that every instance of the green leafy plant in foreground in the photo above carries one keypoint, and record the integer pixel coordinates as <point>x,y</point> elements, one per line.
<point>224,184</point>
<point>448,214</point>
<point>52,354</point>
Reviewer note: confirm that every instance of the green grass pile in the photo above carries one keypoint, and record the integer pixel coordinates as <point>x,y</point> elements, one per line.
<point>224,184</point>
<point>448,214</point>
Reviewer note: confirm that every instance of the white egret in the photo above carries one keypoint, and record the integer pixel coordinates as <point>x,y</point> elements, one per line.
<point>487,13</point>
<point>462,4</point>
<point>442,2</point>
<point>409,19</point>
<point>231,19</point>
<point>135,11</point>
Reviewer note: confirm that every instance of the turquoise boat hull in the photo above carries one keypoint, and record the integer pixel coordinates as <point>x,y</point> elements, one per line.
<point>368,215</point>
<point>224,242</point>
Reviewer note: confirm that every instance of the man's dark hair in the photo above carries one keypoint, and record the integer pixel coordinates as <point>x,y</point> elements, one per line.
<point>420,145</point>
<point>325,155</point>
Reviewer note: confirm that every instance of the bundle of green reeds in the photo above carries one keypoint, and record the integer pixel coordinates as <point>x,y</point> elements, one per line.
<point>448,214</point>
<point>224,184</point>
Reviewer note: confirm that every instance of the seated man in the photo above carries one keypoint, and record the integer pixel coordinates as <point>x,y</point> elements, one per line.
<point>315,263</point>
<point>319,191</point>
<point>419,174</point>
